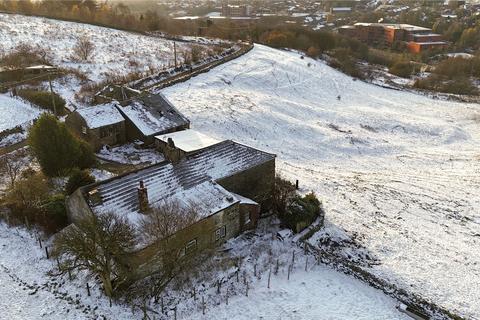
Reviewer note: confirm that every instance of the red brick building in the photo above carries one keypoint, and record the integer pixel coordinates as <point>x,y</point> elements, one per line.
<point>416,38</point>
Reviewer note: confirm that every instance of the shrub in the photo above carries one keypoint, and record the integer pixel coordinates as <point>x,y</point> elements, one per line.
<point>54,213</point>
<point>43,99</point>
<point>301,212</point>
<point>56,149</point>
<point>402,69</point>
<point>78,178</point>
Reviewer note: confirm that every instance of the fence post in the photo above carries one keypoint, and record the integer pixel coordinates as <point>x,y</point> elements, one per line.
<point>194,294</point>
<point>218,286</point>
<point>26,223</point>
<point>276,267</point>
<point>46,252</point>
<point>237,276</point>
<point>306,262</point>
<point>203,305</point>
<point>88,290</point>
<point>255,270</point>
<point>288,274</point>
<point>246,291</point>
<point>293,257</point>
<point>175,312</point>
<point>162,305</point>
<point>269,275</point>
<point>40,242</point>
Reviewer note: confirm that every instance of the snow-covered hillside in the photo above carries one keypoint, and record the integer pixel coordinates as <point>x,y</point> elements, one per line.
<point>15,112</point>
<point>400,172</point>
<point>116,52</point>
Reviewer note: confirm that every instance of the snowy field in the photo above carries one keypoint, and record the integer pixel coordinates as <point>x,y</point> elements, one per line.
<point>399,172</point>
<point>29,292</point>
<point>15,112</point>
<point>116,52</point>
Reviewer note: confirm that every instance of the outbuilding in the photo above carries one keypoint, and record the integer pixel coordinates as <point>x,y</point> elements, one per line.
<point>99,125</point>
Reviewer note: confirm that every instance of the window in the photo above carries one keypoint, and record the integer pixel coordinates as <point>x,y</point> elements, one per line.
<point>220,233</point>
<point>84,130</point>
<point>191,246</point>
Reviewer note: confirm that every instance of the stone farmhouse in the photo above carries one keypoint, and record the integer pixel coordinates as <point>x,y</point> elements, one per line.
<point>227,183</point>
<point>99,125</point>
<point>139,118</point>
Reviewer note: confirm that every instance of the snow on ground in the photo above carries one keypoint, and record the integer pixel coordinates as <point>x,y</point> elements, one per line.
<point>116,52</point>
<point>28,291</point>
<point>15,112</point>
<point>397,171</point>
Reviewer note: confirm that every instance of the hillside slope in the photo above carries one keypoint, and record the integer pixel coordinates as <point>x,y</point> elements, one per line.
<point>397,171</point>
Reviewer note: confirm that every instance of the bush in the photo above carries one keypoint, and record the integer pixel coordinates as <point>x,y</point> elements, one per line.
<point>56,149</point>
<point>402,69</point>
<point>78,178</point>
<point>43,99</point>
<point>301,212</point>
<point>54,216</point>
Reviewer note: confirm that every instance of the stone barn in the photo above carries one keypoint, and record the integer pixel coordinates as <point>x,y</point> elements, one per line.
<point>148,115</point>
<point>99,125</point>
<point>228,183</point>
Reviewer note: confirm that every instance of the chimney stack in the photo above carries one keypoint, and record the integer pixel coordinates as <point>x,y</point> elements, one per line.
<point>142,197</point>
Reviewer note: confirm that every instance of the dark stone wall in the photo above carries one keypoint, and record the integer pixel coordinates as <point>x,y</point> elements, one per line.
<point>147,260</point>
<point>256,183</point>
<point>76,122</point>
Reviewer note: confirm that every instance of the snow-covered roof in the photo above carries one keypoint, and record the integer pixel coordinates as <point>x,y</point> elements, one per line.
<point>244,200</point>
<point>192,180</point>
<point>189,140</point>
<point>153,114</point>
<point>100,115</point>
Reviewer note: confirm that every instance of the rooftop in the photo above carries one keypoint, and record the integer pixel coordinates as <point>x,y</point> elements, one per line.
<point>403,26</point>
<point>192,180</point>
<point>189,140</point>
<point>100,115</point>
<point>153,114</point>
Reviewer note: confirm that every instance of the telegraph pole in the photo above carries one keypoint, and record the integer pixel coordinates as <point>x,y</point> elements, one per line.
<point>175,52</point>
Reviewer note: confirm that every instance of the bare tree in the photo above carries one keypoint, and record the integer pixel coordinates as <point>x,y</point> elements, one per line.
<point>83,49</point>
<point>158,227</point>
<point>100,245</point>
<point>196,53</point>
<point>11,164</point>
<point>283,194</point>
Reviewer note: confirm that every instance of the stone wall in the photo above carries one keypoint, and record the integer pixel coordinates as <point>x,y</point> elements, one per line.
<point>93,136</point>
<point>147,260</point>
<point>77,206</point>
<point>257,183</point>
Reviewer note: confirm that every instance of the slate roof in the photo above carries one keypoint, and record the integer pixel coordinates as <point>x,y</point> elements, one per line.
<point>190,180</point>
<point>153,114</point>
<point>101,115</point>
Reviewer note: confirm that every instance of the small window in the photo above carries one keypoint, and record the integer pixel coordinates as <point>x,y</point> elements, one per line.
<point>191,246</point>
<point>84,130</point>
<point>220,233</point>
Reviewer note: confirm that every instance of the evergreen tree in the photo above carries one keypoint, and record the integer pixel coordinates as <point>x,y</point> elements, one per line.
<point>56,149</point>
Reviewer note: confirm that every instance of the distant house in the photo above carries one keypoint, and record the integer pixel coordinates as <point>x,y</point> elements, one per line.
<point>149,115</point>
<point>99,125</point>
<point>227,184</point>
